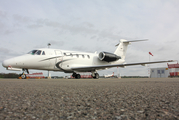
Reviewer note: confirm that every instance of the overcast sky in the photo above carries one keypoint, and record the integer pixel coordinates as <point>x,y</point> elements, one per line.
<point>91,25</point>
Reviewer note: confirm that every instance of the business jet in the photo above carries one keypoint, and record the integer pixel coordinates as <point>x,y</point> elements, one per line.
<point>72,61</point>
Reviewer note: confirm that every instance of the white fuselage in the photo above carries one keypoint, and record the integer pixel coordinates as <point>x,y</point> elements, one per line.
<point>57,60</point>
<point>72,61</point>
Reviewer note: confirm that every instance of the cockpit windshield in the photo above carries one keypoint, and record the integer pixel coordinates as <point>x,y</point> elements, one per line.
<point>35,52</point>
<point>38,52</point>
<point>32,52</point>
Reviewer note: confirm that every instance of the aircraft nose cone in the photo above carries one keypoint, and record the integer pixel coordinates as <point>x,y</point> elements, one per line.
<point>7,62</point>
<point>4,63</point>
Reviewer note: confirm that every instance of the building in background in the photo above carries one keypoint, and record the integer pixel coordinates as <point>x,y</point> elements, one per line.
<point>159,72</point>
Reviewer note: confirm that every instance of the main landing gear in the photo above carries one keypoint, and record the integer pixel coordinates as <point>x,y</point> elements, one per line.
<point>78,76</point>
<point>95,75</point>
<point>23,75</point>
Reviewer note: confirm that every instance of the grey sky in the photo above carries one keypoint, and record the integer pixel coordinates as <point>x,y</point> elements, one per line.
<point>94,25</point>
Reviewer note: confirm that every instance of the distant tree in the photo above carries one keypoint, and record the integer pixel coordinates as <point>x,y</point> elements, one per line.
<point>9,75</point>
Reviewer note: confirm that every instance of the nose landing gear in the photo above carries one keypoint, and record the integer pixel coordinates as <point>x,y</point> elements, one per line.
<point>23,75</point>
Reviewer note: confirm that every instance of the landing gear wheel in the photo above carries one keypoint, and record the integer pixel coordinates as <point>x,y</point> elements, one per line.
<point>23,76</point>
<point>77,76</point>
<point>96,76</point>
<point>74,75</point>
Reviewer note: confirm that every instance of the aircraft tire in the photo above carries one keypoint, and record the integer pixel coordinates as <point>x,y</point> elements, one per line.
<point>23,76</point>
<point>74,75</point>
<point>96,76</point>
<point>77,76</point>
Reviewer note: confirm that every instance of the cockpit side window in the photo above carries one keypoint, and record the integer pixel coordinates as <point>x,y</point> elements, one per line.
<point>43,53</point>
<point>32,52</point>
<point>38,52</point>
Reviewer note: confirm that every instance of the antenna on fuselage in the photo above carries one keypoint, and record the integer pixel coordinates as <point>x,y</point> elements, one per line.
<point>48,45</point>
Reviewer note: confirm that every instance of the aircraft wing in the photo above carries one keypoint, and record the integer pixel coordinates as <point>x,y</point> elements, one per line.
<point>96,67</point>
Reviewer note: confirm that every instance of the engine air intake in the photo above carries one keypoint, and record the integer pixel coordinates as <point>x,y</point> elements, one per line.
<point>108,57</point>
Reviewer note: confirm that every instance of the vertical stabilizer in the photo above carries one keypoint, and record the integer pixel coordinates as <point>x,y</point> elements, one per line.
<point>122,47</point>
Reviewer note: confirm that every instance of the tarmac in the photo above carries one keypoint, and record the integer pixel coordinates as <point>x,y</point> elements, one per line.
<point>90,99</point>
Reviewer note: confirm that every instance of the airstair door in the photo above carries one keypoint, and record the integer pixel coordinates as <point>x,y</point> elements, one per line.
<point>59,58</point>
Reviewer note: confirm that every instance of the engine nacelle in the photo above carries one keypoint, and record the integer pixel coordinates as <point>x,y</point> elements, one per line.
<point>108,57</point>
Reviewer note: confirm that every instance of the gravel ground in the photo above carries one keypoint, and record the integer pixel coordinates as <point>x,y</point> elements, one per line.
<point>114,99</point>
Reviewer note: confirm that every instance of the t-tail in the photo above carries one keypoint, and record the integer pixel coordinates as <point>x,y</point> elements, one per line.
<point>122,47</point>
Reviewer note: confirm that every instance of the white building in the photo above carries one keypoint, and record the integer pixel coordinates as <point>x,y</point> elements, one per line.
<point>159,72</point>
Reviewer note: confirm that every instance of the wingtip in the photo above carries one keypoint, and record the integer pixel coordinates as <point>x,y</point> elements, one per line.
<point>172,60</point>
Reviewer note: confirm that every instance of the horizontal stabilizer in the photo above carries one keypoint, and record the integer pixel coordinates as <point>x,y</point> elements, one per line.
<point>128,41</point>
<point>134,40</point>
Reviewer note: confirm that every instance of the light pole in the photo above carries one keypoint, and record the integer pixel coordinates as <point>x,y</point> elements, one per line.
<point>149,66</point>
<point>48,70</point>
<point>149,61</point>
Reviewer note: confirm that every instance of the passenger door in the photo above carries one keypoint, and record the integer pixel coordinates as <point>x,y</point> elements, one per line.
<point>59,57</point>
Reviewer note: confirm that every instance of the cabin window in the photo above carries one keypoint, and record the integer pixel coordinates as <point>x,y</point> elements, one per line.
<point>88,56</point>
<point>77,55</point>
<point>65,54</point>
<point>71,54</point>
<point>38,52</point>
<point>83,56</point>
<point>43,53</point>
<point>32,52</point>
